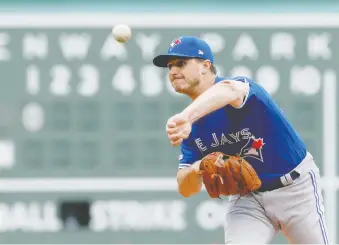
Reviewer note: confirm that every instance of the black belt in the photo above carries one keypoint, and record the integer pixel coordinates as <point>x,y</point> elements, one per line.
<point>277,183</point>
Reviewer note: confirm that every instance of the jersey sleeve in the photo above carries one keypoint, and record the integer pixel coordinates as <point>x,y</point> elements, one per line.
<point>250,91</point>
<point>189,154</point>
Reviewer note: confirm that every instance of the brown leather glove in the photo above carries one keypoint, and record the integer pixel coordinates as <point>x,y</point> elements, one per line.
<point>228,175</point>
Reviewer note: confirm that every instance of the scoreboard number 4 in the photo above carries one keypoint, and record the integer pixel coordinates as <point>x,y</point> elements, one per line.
<point>87,81</point>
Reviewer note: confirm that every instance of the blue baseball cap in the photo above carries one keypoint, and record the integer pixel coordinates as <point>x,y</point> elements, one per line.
<point>185,47</point>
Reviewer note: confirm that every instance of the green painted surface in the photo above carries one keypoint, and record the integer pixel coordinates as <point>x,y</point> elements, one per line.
<point>76,104</point>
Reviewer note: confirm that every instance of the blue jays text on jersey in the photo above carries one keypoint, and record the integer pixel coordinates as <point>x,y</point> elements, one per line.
<point>257,131</point>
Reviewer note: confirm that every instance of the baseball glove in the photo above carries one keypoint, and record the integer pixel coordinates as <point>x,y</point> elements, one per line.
<point>228,175</point>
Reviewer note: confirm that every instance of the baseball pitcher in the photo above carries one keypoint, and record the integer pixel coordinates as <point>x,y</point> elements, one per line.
<point>237,142</point>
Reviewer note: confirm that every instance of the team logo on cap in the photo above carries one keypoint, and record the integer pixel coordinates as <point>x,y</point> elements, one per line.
<point>253,148</point>
<point>175,42</point>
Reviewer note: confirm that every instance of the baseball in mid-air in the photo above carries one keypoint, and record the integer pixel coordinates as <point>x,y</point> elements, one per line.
<point>121,33</point>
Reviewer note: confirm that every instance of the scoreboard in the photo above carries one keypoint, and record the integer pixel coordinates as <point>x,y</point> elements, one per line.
<point>84,154</point>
